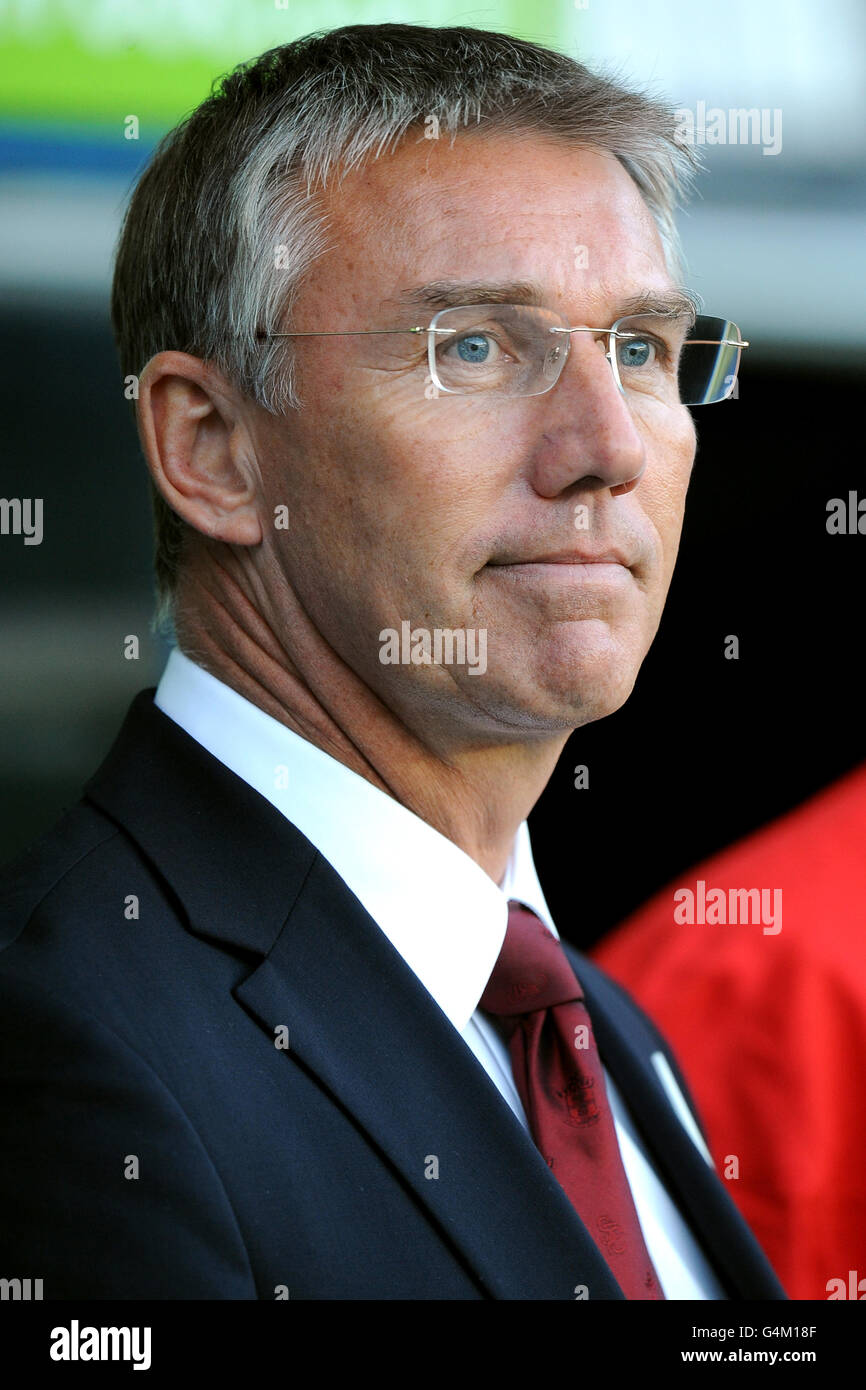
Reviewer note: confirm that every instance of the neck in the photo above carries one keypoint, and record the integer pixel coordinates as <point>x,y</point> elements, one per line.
<point>475,795</point>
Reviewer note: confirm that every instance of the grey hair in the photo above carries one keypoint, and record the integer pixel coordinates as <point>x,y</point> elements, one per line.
<point>197,268</point>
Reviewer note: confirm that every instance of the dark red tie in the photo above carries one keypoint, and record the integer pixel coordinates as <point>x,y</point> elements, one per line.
<point>558,1074</point>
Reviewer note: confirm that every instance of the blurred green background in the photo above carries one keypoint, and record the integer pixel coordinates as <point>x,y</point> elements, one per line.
<point>88,60</point>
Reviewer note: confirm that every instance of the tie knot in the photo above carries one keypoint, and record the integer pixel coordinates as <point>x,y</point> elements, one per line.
<point>532,971</point>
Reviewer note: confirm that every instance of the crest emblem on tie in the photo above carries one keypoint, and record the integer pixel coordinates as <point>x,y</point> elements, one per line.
<point>527,989</point>
<point>579,1098</point>
<point>611,1235</point>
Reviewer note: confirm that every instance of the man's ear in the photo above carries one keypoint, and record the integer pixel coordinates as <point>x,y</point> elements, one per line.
<point>195,439</point>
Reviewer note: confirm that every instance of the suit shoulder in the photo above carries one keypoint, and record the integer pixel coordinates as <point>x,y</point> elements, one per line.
<point>41,869</point>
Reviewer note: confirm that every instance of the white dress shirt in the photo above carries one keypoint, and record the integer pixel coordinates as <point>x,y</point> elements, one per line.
<point>438,908</point>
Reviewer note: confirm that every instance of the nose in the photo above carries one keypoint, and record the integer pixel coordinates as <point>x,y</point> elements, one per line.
<point>589,433</point>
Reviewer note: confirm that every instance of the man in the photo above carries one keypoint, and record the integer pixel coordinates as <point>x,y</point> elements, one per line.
<point>284,985</point>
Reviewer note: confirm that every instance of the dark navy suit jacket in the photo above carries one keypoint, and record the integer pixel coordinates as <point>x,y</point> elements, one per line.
<point>157,1139</point>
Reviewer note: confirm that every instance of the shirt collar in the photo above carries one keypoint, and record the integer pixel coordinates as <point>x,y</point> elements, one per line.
<point>439,909</point>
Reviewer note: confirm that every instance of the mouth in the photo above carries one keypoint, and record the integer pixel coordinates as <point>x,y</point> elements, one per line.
<point>582,559</point>
<point>566,572</point>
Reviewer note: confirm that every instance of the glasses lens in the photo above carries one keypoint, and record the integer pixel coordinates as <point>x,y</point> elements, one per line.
<point>497,350</point>
<point>663,359</point>
<point>710,359</point>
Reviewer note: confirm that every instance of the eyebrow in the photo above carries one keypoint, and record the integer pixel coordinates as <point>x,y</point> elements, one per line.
<point>451,294</point>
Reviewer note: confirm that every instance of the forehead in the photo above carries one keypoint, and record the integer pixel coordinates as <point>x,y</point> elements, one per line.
<point>490,207</point>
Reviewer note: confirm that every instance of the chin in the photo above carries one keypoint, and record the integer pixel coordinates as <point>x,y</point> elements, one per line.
<point>548,701</point>
<point>587,702</point>
<point>590,675</point>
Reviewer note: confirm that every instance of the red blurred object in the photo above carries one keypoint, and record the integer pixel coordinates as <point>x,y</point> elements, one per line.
<point>770,1030</point>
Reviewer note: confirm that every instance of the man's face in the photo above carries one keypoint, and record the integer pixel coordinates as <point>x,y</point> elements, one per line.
<point>410,507</point>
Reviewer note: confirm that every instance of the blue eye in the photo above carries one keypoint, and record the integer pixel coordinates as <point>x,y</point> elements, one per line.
<point>636,353</point>
<point>475,347</point>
